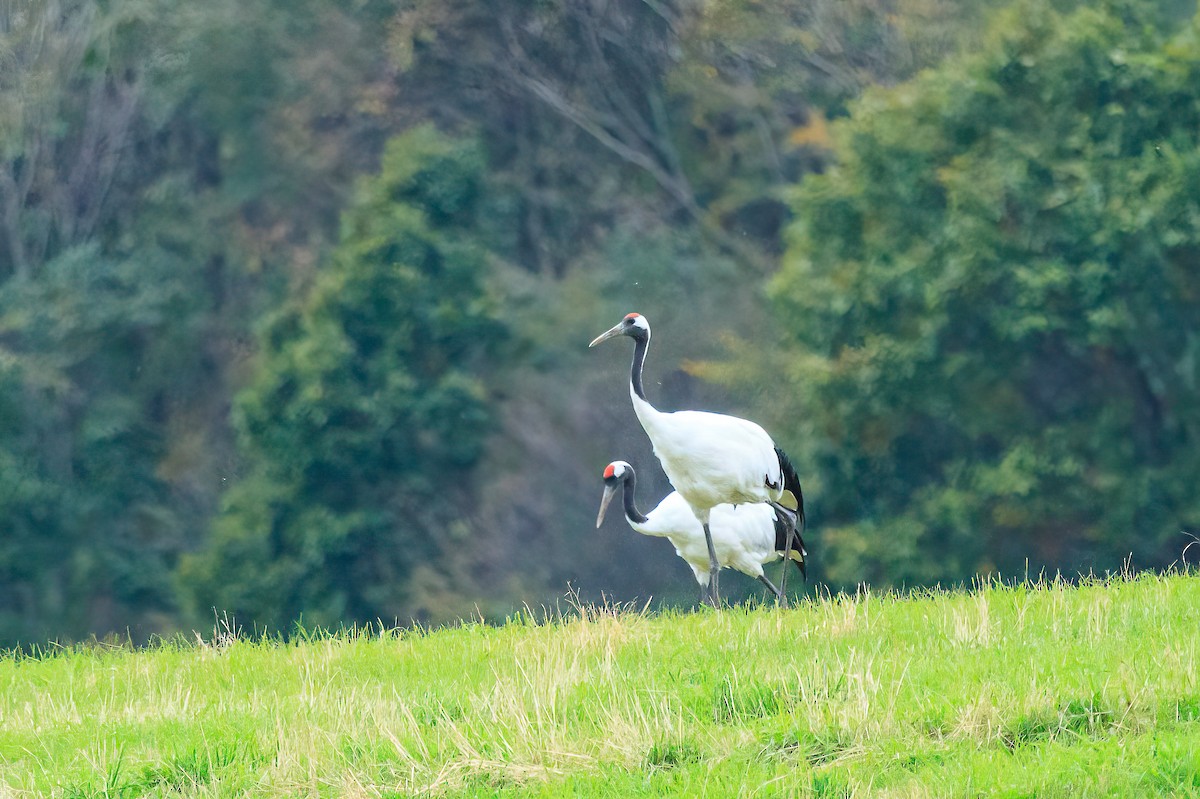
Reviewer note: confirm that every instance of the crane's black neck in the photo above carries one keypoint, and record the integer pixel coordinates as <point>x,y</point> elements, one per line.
<point>630,487</point>
<point>641,341</point>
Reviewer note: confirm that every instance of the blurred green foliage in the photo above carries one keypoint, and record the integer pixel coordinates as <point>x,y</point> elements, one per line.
<point>294,297</point>
<point>994,296</point>
<point>367,413</point>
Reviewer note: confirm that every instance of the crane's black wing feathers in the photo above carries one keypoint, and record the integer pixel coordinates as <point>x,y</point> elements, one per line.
<point>791,482</point>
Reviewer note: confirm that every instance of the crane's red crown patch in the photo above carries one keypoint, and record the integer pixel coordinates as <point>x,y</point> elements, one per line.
<point>632,315</point>
<point>608,471</point>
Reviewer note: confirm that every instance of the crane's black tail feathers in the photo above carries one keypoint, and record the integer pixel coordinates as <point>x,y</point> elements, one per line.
<point>791,482</point>
<point>784,519</point>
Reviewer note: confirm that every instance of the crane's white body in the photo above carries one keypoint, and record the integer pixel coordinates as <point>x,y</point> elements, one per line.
<point>743,537</point>
<point>712,459</point>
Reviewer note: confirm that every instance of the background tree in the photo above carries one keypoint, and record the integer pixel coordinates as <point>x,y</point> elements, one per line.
<point>363,423</point>
<point>993,298</point>
<point>94,322</point>
<point>141,231</point>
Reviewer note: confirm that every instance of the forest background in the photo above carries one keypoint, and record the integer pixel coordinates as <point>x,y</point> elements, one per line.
<point>295,296</point>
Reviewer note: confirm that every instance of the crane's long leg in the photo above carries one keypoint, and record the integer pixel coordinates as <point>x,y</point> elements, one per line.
<point>714,568</point>
<point>789,519</point>
<point>762,578</point>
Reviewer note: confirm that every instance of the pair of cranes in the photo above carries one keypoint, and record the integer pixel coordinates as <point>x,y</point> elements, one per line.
<point>726,471</point>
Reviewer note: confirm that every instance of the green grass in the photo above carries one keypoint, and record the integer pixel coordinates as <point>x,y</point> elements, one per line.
<point>1025,691</point>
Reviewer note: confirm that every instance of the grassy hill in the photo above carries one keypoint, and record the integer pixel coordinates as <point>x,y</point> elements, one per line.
<point>1046,690</point>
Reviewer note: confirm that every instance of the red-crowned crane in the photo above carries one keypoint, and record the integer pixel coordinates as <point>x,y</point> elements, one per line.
<point>744,538</point>
<point>712,459</point>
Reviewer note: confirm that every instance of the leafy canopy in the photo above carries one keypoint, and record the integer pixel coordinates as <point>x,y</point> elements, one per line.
<point>997,307</point>
<point>368,409</point>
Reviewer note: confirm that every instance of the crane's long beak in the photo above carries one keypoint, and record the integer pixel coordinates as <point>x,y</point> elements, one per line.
<point>606,335</point>
<point>607,498</point>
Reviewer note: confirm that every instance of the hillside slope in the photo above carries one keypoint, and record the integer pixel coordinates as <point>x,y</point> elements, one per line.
<point>1046,690</point>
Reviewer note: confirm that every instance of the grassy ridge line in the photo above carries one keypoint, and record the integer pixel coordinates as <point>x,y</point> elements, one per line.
<point>1046,690</point>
